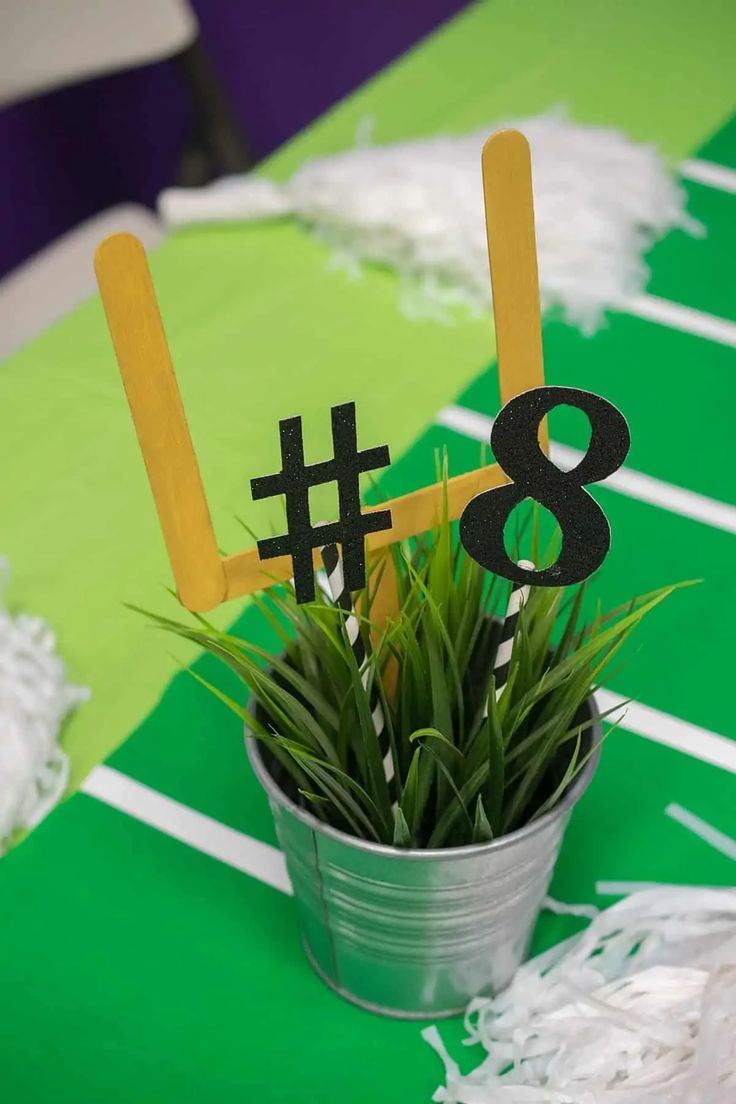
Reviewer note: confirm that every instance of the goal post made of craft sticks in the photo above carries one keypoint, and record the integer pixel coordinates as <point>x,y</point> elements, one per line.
<point>204,579</point>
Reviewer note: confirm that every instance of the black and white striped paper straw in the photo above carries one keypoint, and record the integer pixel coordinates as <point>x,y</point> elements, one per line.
<point>341,597</point>
<point>502,662</point>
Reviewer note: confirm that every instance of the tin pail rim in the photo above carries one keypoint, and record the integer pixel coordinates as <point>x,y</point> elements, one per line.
<point>573,794</point>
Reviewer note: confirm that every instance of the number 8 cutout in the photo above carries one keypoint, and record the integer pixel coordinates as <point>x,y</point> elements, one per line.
<point>586,534</point>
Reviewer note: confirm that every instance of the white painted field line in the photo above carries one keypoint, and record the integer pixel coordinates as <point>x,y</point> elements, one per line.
<point>623,889</point>
<point>678,317</point>
<point>662,728</point>
<point>187,825</point>
<point>710,835</point>
<point>710,174</point>
<point>719,841</point>
<point>625,481</point>
<point>267,863</point>
<point>675,315</point>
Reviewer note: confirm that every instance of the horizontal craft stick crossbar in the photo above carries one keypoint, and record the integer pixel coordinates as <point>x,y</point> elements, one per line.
<point>412,513</point>
<point>204,579</point>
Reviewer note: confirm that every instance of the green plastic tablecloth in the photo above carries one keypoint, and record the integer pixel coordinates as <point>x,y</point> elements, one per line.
<point>135,969</point>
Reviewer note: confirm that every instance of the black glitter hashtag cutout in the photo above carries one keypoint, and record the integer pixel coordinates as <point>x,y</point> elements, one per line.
<point>294,481</point>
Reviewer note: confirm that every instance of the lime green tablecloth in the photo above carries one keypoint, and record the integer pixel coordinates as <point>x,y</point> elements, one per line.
<point>133,968</point>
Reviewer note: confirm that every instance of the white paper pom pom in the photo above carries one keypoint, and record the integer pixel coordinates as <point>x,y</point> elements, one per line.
<point>638,1009</point>
<point>34,700</point>
<point>600,201</point>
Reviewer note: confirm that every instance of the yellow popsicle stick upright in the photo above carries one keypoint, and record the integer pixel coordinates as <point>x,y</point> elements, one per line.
<point>512,253</point>
<point>203,578</point>
<point>155,403</point>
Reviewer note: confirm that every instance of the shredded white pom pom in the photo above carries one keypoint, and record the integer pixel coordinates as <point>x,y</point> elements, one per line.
<point>600,201</point>
<point>561,908</point>
<point>638,1009</point>
<point>34,699</point>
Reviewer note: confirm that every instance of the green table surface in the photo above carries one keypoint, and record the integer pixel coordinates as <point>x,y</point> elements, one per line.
<point>134,968</point>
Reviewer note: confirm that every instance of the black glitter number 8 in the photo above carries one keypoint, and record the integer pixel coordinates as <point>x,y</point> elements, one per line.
<point>586,534</point>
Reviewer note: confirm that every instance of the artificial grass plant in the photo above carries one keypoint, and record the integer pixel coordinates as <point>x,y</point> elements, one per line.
<point>460,777</point>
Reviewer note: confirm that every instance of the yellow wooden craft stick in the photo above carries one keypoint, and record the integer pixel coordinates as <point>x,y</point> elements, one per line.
<point>412,513</point>
<point>512,252</point>
<point>512,255</point>
<point>203,578</point>
<point>155,403</point>
<point>384,609</point>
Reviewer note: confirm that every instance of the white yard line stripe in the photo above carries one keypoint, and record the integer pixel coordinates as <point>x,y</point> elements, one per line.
<point>625,481</point>
<point>719,841</point>
<point>663,728</point>
<point>266,863</point>
<point>623,889</point>
<point>187,825</point>
<point>710,174</point>
<point>678,317</point>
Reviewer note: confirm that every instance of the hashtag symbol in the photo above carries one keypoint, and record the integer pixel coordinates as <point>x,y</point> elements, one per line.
<point>294,481</point>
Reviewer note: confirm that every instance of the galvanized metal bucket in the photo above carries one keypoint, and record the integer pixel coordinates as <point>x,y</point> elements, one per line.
<point>417,933</point>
